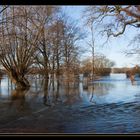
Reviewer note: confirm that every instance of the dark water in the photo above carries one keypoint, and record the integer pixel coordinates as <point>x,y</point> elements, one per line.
<point>109,105</point>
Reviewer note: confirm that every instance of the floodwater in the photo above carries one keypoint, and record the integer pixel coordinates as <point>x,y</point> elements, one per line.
<point>109,105</point>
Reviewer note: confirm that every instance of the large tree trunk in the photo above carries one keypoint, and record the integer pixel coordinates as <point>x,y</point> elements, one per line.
<point>19,80</point>
<point>46,81</point>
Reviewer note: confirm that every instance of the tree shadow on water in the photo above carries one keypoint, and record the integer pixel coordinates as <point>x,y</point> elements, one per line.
<point>18,100</point>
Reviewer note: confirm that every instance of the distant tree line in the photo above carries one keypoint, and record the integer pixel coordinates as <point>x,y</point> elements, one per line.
<point>127,70</point>
<point>102,65</point>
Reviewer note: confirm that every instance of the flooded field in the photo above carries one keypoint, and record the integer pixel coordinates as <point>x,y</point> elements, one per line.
<point>108,105</point>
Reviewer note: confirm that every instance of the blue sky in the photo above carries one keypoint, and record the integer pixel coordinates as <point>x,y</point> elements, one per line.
<point>114,48</point>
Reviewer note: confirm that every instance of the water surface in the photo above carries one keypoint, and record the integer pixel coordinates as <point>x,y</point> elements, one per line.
<point>108,105</point>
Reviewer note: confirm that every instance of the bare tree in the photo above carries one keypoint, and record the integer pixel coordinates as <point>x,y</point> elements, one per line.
<point>71,35</point>
<point>113,18</point>
<point>2,8</point>
<point>45,17</point>
<point>92,46</point>
<point>19,34</point>
<point>56,39</point>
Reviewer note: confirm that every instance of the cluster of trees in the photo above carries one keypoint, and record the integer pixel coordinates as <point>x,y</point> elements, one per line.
<point>120,70</point>
<point>38,37</point>
<point>102,65</point>
<point>113,21</point>
<point>44,38</point>
<point>133,70</point>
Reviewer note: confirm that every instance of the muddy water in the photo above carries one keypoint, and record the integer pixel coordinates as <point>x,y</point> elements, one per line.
<point>108,105</point>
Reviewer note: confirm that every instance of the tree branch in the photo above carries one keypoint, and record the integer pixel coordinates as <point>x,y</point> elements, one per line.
<point>4,9</point>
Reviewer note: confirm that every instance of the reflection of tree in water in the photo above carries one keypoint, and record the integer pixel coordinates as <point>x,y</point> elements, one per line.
<point>102,88</point>
<point>63,91</point>
<point>0,82</point>
<point>18,100</point>
<point>36,81</point>
<point>46,97</point>
<point>51,91</point>
<point>71,89</point>
<point>98,89</point>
